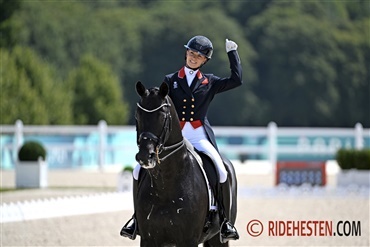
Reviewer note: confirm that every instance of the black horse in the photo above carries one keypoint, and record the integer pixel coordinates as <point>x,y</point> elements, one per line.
<point>171,201</point>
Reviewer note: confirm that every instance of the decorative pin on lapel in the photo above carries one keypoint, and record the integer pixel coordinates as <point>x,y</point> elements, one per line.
<point>175,85</point>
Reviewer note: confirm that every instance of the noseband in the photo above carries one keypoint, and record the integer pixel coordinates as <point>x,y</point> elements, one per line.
<point>166,130</point>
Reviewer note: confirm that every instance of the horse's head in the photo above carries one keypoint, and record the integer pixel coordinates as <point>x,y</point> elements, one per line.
<point>153,123</point>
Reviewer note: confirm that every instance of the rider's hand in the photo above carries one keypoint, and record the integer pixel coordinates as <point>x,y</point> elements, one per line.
<point>231,45</point>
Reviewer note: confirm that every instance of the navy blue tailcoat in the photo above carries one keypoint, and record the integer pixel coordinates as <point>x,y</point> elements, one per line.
<point>192,102</point>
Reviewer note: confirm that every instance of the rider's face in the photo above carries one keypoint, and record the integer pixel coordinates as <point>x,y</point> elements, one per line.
<point>194,60</point>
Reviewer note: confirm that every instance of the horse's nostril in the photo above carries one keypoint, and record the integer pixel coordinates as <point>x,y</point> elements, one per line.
<point>151,155</point>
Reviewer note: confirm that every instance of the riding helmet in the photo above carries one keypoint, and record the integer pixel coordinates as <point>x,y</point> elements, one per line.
<point>202,45</point>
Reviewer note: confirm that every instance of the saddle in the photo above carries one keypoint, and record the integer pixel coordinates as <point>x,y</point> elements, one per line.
<point>209,173</point>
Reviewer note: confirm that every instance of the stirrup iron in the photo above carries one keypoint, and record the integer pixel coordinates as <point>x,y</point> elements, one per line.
<point>129,230</point>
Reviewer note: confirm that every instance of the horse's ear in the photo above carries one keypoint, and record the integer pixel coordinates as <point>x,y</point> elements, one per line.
<point>140,89</point>
<point>163,89</point>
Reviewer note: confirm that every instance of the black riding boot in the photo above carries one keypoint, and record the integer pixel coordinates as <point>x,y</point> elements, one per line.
<point>130,229</point>
<point>227,230</point>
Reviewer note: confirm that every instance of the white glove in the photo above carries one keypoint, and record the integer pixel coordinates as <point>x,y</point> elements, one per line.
<point>231,45</point>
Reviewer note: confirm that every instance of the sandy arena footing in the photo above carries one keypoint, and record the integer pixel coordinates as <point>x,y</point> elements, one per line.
<point>258,201</point>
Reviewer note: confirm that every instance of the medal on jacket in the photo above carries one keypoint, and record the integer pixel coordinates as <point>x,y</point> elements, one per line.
<point>175,85</point>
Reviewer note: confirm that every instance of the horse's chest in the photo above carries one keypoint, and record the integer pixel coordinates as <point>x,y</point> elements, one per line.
<point>168,213</point>
<point>158,220</point>
<point>164,212</point>
<point>173,208</point>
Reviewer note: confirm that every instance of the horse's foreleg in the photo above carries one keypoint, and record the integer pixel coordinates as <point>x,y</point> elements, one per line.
<point>187,243</point>
<point>215,242</point>
<point>146,243</point>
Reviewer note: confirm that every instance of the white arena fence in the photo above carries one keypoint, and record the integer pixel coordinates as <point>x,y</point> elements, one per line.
<point>104,146</point>
<point>65,206</point>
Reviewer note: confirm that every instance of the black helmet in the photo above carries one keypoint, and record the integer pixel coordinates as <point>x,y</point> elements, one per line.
<point>202,45</point>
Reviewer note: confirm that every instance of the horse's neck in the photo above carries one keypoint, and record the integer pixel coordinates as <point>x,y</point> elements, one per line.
<point>176,133</point>
<point>171,171</point>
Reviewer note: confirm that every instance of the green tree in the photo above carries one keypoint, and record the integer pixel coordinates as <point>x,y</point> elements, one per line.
<point>163,53</point>
<point>7,8</point>
<point>9,26</point>
<point>63,36</point>
<point>29,90</point>
<point>96,93</point>
<point>62,32</point>
<point>242,11</point>
<point>304,62</point>
<point>297,72</point>
<point>353,80</point>
<point>312,63</point>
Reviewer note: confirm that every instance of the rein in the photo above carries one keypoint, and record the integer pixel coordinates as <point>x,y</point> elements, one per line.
<point>164,135</point>
<point>179,145</point>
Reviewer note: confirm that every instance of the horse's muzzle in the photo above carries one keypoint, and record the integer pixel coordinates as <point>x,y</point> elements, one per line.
<point>146,160</point>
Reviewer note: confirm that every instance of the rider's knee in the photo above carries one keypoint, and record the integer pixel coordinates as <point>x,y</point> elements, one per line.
<point>223,175</point>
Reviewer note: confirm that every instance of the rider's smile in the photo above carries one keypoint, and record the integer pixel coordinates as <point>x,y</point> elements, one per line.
<point>194,60</point>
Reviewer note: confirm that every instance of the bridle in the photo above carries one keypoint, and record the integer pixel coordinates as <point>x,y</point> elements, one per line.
<point>161,140</point>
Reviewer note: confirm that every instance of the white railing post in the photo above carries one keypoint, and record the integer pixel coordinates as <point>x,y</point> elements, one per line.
<point>359,141</point>
<point>18,134</point>
<point>102,142</point>
<point>272,137</point>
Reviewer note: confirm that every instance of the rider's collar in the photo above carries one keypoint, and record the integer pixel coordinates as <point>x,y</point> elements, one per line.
<point>185,71</point>
<point>190,72</point>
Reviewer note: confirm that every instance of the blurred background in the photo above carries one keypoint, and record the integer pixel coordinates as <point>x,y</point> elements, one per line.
<point>306,63</point>
<point>67,81</point>
<point>75,64</point>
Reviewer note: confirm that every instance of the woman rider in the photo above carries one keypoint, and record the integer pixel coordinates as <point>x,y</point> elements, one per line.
<point>192,92</point>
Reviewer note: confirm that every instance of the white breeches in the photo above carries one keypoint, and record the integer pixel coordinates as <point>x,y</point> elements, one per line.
<point>199,139</point>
